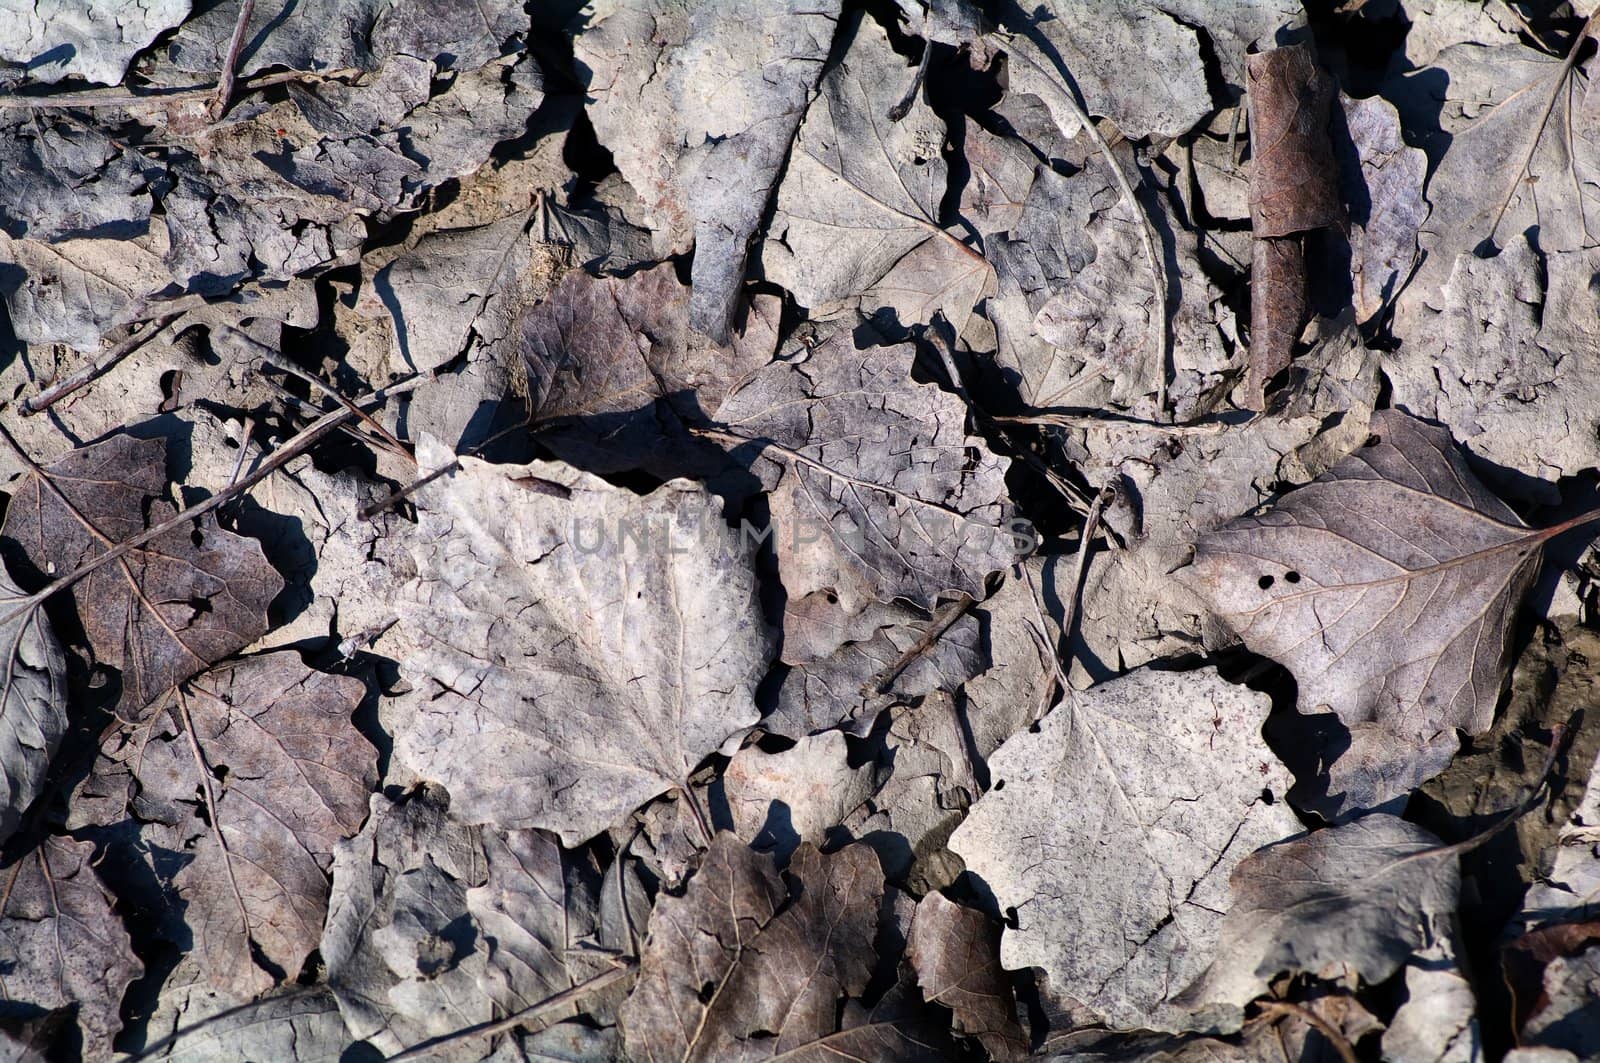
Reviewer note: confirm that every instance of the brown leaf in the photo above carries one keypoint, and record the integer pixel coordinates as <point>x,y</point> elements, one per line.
<point>1293,188</point>
<point>60,943</point>
<point>1387,586</point>
<point>729,973</point>
<point>956,954</point>
<point>266,752</point>
<point>1293,177</point>
<point>169,609</point>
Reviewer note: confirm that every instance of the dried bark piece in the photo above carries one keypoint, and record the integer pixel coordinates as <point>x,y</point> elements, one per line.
<point>61,945</point>
<point>169,609</point>
<point>1293,188</point>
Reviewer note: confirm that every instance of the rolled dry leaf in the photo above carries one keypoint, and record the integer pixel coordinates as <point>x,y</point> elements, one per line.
<point>1294,187</point>
<point>1277,310</point>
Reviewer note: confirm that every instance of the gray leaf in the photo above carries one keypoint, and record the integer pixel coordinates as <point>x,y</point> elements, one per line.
<point>699,109</point>
<point>1358,899</point>
<point>1110,831</point>
<point>92,39</point>
<point>1387,586</point>
<point>33,704</point>
<point>581,648</point>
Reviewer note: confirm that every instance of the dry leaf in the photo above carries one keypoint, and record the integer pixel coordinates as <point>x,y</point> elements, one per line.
<point>169,609</point>
<point>956,954</point>
<point>570,708</point>
<point>1388,586</point>
<point>1109,831</point>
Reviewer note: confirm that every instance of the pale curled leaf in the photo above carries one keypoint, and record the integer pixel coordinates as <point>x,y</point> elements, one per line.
<point>1388,586</point>
<point>91,39</point>
<point>257,768</point>
<point>33,704</point>
<point>171,608</point>
<point>1358,899</point>
<point>61,945</point>
<point>581,648</point>
<point>1111,830</point>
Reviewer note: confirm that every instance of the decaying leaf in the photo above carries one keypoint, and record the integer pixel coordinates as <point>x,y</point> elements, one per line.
<point>434,925</point>
<point>167,610</point>
<point>779,800</point>
<point>1382,187</point>
<point>33,703</point>
<point>1497,360</point>
<point>1388,587</point>
<point>91,39</point>
<point>256,771</point>
<point>1111,829</point>
<point>737,968</point>
<point>862,193</point>
<point>61,944</point>
<point>956,954</point>
<point>1355,900</point>
<point>877,490</point>
<point>699,110</point>
<point>602,687</point>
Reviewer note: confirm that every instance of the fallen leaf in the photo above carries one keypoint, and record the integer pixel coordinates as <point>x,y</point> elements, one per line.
<point>848,684</point>
<point>298,1025</point>
<point>33,704</point>
<point>876,489</point>
<point>61,944</point>
<point>1110,829</point>
<point>1493,361</point>
<point>255,770</point>
<point>956,954</point>
<point>699,111</point>
<point>1437,1022</point>
<point>70,180</point>
<point>91,39</point>
<point>1388,587</point>
<point>861,196</point>
<point>326,35</point>
<point>517,711</point>
<point>779,800</point>
<point>434,925</point>
<point>169,609</point>
<point>1382,191</point>
<point>736,968</point>
<point>1355,900</point>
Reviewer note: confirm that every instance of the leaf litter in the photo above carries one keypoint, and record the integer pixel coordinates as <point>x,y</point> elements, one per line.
<point>958,530</point>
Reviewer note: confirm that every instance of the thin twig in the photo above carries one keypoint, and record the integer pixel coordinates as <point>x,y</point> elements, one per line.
<point>880,683</point>
<point>1102,420</point>
<point>298,444</point>
<point>95,99</point>
<point>408,490</point>
<point>1279,1009</point>
<point>1158,268</point>
<point>96,368</point>
<point>271,357</point>
<point>230,63</point>
<point>521,1018</point>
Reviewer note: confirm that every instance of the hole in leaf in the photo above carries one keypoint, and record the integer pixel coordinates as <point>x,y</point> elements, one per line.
<point>999,784</point>
<point>1265,581</point>
<point>1373,440</point>
<point>1291,577</point>
<point>1266,796</point>
<point>1034,728</point>
<point>706,992</point>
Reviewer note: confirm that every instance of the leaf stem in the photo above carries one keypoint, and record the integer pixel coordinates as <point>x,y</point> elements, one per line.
<point>526,1016</point>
